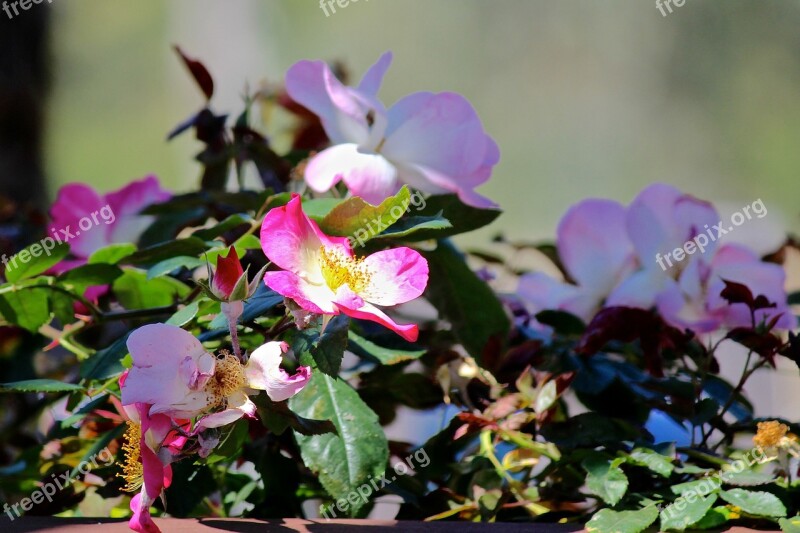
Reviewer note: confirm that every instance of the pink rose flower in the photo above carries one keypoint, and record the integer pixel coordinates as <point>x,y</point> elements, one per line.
<point>114,216</point>
<point>322,276</point>
<point>612,254</point>
<point>432,142</point>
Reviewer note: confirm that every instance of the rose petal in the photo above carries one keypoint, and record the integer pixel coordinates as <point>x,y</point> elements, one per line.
<point>73,202</point>
<point>366,174</point>
<point>736,263</point>
<point>293,241</point>
<point>127,224</point>
<point>409,332</point>
<point>158,351</point>
<point>662,218</point>
<point>373,78</point>
<point>397,276</point>
<point>141,521</point>
<point>239,405</point>
<point>229,270</point>
<point>438,131</point>
<point>263,372</point>
<point>316,299</point>
<point>593,245</point>
<point>342,110</point>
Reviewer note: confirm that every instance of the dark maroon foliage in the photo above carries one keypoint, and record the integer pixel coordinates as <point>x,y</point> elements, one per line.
<point>628,324</point>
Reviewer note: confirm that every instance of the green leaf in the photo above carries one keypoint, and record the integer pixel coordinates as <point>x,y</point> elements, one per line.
<point>185,315</point>
<point>328,351</point>
<point>714,518</point>
<point>135,291</point>
<point>589,430</point>
<point>62,307</point>
<point>84,410</point>
<point>562,322</point>
<point>26,308</point>
<point>278,417</point>
<point>228,224</point>
<point>97,447</point>
<point>106,362</point>
<point>417,228</point>
<point>608,521</point>
<point>318,208</point>
<point>385,356</point>
<point>683,513</point>
<point>246,242</point>
<point>173,263</point>
<point>755,502</point>
<point>747,478</point>
<point>34,260</point>
<point>355,217</point>
<point>708,484</point>
<point>358,452</point>
<point>39,385</point>
<point>90,276</point>
<point>192,247</point>
<point>790,525</point>
<point>693,469</point>
<point>463,218</point>
<point>705,410</point>
<point>165,227</point>
<point>232,439</point>
<point>660,464</point>
<point>466,301</point>
<point>112,253</point>
<point>605,480</point>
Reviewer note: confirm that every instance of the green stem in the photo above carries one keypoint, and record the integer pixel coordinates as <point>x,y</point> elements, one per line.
<point>137,313</point>
<point>487,450</point>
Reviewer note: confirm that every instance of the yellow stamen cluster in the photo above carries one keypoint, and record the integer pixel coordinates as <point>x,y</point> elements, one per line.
<point>132,471</point>
<point>228,378</point>
<point>339,269</point>
<point>770,434</point>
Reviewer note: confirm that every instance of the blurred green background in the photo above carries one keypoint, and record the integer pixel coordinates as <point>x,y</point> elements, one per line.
<point>585,98</point>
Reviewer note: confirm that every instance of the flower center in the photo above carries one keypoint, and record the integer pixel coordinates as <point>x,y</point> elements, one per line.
<point>132,471</point>
<point>228,378</point>
<point>339,269</point>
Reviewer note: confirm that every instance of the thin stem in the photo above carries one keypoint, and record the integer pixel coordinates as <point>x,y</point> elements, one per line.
<point>737,390</point>
<point>487,450</point>
<point>63,339</point>
<point>235,339</point>
<point>285,323</point>
<point>137,313</point>
<point>89,305</point>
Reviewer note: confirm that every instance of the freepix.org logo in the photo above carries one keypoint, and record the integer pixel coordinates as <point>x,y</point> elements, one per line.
<point>60,236</point>
<point>25,5</point>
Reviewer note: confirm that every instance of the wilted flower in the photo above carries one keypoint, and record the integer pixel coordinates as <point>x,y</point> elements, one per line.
<point>233,381</point>
<point>175,375</point>
<point>151,445</point>
<point>770,434</point>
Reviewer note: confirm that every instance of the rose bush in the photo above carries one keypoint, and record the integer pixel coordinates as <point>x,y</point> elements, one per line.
<point>242,351</point>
